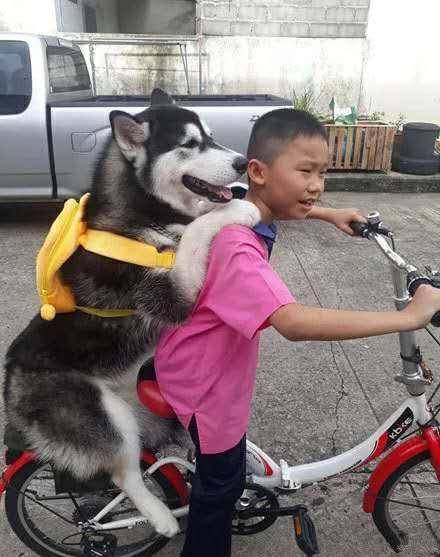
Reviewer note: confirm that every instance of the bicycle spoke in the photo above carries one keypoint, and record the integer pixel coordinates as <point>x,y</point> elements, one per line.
<point>410,505</point>
<point>24,494</point>
<point>427,521</point>
<point>425,484</point>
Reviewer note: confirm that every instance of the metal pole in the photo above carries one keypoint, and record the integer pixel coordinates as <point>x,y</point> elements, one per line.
<point>184,56</point>
<point>92,66</point>
<point>199,48</point>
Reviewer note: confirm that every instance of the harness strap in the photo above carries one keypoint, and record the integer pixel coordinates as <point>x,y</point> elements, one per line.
<point>125,249</point>
<point>105,312</point>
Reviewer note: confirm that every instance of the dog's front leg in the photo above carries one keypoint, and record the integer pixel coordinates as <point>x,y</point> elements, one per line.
<point>192,253</point>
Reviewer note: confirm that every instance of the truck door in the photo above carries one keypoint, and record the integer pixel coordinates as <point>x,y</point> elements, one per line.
<point>24,156</point>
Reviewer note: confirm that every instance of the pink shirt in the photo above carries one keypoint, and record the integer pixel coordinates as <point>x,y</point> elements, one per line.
<point>206,367</point>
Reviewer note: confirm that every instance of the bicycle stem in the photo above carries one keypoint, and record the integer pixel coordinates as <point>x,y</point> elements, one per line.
<point>412,373</point>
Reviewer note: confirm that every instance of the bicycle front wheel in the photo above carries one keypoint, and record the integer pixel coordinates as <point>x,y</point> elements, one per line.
<point>407,508</point>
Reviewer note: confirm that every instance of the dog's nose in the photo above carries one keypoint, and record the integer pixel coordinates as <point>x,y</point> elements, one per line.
<point>240,165</point>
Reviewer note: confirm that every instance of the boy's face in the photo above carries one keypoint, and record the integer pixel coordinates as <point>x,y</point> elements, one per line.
<point>293,182</point>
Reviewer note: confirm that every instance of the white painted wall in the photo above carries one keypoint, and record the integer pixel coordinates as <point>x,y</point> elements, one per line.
<point>28,16</point>
<point>138,69</point>
<point>70,17</point>
<point>402,72</point>
<point>277,65</point>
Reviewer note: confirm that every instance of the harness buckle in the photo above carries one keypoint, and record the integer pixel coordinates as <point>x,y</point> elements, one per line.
<point>166,259</point>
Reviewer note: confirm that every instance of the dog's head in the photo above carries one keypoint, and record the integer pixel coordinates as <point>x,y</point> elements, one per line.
<point>174,155</point>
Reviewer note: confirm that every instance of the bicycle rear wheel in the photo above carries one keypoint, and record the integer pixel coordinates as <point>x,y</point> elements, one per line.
<point>47,522</point>
<point>407,508</point>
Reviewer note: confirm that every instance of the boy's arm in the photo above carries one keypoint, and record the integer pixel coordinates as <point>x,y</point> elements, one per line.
<point>298,322</point>
<point>321,213</point>
<point>341,218</point>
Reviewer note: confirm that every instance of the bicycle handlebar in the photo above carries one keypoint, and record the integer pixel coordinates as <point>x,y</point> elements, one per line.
<point>375,230</point>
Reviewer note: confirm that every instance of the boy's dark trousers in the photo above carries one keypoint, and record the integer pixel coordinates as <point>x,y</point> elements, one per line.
<point>217,484</point>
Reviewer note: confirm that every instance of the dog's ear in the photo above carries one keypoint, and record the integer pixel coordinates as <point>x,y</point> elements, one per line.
<point>129,134</point>
<point>160,97</point>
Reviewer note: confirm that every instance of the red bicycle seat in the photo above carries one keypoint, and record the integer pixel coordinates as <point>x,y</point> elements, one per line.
<point>149,393</point>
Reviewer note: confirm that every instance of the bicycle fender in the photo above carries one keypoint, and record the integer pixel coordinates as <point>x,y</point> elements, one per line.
<point>169,471</point>
<point>401,453</point>
<point>172,474</point>
<point>13,468</point>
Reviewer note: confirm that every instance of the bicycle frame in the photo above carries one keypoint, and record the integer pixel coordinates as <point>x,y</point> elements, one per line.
<point>264,471</point>
<point>414,409</point>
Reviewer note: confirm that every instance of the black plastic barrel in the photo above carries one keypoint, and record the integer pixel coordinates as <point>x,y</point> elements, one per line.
<point>416,153</point>
<point>418,140</point>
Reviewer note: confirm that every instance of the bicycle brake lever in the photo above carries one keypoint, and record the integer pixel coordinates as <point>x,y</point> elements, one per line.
<point>373,224</point>
<point>360,229</point>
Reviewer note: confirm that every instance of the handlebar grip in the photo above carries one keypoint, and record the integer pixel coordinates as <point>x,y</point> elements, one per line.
<point>414,281</point>
<point>359,228</point>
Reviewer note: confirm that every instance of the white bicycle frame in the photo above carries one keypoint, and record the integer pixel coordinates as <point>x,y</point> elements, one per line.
<point>262,470</point>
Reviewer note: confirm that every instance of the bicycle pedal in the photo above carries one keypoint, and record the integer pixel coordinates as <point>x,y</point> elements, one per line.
<point>99,545</point>
<point>305,532</point>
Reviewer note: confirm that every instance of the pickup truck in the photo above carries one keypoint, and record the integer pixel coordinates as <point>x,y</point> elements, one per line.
<point>53,126</point>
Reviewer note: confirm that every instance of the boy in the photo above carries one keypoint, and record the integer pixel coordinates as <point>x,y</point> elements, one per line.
<point>206,367</point>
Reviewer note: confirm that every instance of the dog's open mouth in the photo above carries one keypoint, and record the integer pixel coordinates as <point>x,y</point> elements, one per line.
<point>216,194</point>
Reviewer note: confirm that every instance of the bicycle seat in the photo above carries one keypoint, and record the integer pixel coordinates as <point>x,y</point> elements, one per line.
<point>149,393</point>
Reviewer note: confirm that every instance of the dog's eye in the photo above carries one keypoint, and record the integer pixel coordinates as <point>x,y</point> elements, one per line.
<point>190,144</point>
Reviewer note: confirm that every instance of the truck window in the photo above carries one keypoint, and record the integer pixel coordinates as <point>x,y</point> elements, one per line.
<point>67,70</point>
<point>15,77</point>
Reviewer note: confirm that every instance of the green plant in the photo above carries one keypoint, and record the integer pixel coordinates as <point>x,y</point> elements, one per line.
<point>398,123</point>
<point>375,116</point>
<point>306,100</point>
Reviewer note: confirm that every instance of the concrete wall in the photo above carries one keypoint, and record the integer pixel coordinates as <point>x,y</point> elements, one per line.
<point>137,69</point>
<point>402,73</point>
<point>285,18</point>
<point>276,46</point>
<point>242,63</point>
<point>280,65</point>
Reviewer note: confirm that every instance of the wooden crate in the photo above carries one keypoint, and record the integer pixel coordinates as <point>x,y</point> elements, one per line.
<point>364,146</point>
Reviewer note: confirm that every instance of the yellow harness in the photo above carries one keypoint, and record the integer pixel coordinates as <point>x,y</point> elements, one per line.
<point>67,233</point>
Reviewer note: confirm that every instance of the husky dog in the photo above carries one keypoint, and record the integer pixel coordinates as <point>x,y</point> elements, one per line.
<point>71,383</point>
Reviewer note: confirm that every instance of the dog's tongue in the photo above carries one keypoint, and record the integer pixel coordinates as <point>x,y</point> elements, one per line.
<point>225,193</point>
<point>216,194</point>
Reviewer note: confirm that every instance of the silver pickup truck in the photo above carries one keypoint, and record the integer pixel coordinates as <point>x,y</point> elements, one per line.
<point>53,127</point>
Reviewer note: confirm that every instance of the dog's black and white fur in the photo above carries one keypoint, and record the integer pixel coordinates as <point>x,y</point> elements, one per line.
<point>71,383</point>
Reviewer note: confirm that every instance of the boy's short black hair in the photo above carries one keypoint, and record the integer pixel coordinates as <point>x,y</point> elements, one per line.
<point>275,128</point>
